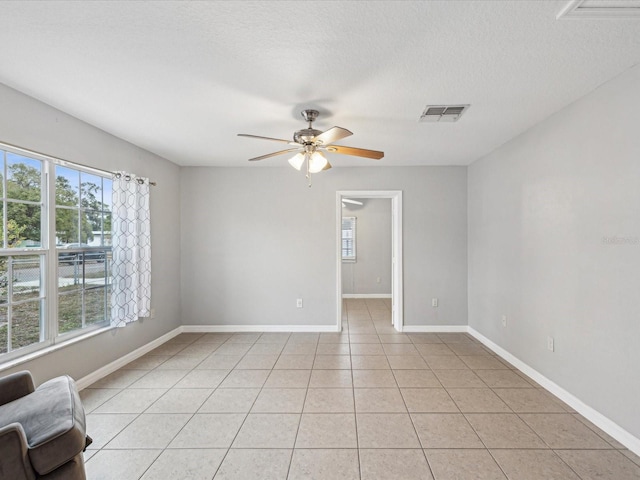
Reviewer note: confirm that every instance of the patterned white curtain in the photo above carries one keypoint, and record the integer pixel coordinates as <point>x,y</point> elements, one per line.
<point>131,244</point>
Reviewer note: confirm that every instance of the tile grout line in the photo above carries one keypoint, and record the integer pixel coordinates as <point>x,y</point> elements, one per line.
<point>306,393</point>
<point>138,415</point>
<point>415,430</point>
<point>476,433</point>
<point>245,416</point>
<point>355,414</point>
<point>195,413</point>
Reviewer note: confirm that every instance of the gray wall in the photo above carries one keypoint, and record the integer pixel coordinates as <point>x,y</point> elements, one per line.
<point>30,124</point>
<point>373,248</point>
<point>554,243</point>
<point>255,239</point>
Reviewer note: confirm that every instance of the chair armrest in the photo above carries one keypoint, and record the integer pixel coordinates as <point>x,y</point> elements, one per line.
<point>15,386</point>
<point>14,461</point>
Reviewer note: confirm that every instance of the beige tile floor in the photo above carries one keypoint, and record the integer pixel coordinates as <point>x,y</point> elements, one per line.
<point>368,403</point>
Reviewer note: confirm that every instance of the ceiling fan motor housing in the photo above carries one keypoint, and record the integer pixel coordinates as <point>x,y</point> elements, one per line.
<point>305,135</point>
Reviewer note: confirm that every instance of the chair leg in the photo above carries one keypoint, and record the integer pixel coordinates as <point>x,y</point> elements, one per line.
<point>88,441</point>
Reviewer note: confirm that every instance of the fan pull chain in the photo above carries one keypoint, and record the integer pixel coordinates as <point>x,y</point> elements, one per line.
<point>308,175</point>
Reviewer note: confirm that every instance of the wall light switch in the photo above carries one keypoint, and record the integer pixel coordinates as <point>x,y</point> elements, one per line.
<point>434,302</point>
<point>550,345</point>
<point>378,280</point>
<point>299,303</point>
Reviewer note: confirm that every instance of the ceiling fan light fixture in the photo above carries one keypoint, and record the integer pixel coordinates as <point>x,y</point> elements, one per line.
<point>297,161</point>
<point>309,141</point>
<point>317,162</point>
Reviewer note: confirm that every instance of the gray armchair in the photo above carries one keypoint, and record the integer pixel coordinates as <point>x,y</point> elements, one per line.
<point>42,431</point>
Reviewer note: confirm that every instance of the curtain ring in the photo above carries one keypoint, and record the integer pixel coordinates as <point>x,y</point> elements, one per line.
<point>117,175</point>
<point>140,181</point>
<point>127,177</point>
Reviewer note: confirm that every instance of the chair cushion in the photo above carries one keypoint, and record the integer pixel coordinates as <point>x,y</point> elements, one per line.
<point>53,420</point>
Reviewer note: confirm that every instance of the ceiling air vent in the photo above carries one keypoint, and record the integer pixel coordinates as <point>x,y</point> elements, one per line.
<point>443,113</point>
<point>601,9</point>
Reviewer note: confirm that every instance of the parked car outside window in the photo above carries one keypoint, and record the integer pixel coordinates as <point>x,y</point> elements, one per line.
<point>77,256</point>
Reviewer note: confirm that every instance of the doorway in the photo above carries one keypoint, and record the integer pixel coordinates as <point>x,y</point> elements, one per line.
<point>396,249</point>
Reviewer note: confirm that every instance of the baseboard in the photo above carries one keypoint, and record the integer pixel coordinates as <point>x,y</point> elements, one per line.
<point>595,417</point>
<point>434,328</point>
<point>366,295</point>
<point>102,372</point>
<point>96,375</point>
<point>258,328</point>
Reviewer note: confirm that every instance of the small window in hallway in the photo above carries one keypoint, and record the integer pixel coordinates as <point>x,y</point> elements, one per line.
<point>348,239</point>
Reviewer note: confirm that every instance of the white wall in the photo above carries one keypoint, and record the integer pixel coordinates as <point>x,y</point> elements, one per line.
<point>254,239</point>
<point>28,123</point>
<point>543,211</point>
<point>373,248</point>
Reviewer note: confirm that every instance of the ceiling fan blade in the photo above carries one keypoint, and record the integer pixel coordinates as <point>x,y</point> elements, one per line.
<point>268,138</point>
<point>358,152</point>
<point>327,166</point>
<point>332,135</point>
<point>274,154</point>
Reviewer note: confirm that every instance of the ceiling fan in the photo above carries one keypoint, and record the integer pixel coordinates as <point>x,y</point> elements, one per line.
<point>310,144</point>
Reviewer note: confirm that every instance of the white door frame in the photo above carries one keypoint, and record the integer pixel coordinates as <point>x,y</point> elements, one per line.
<point>396,250</point>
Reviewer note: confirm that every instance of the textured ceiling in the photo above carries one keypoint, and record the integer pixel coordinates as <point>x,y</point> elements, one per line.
<point>181,79</point>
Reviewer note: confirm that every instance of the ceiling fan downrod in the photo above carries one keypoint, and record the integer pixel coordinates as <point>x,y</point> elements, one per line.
<point>310,115</point>
<point>306,135</point>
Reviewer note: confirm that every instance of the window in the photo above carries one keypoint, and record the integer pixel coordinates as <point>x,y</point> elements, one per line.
<point>69,242</point>
<point>348,239</point>
<point>83,238</point>
<point>22,299</point>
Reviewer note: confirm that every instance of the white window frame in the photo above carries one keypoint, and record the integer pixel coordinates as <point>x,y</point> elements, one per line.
<point>352,229</point>
<point>49,335</point>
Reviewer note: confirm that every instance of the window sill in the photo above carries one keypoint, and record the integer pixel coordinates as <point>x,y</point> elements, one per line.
<point>52,348</point>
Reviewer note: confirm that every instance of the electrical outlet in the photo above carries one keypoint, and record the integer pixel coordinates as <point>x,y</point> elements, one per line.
<point>550,345</point>
<point>153,313</point>
<point>504,320</point>
<point>299,303</point>
<point>434,302</point>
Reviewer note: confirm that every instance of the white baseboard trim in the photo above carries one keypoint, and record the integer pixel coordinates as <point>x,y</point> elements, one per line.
<point>366,295</point>
<point>258,328</point>
<point>96,375</point>
<point>599,420</point>
<point>434,328</point>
